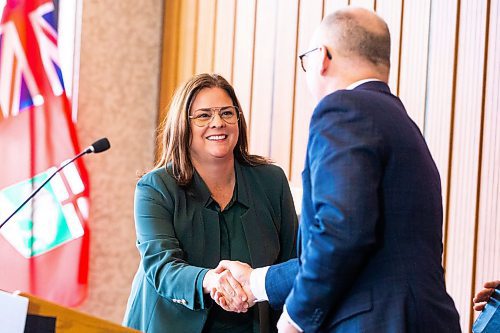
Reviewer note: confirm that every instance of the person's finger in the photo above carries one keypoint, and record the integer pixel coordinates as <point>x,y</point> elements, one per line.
<point>483,295</point>
<point>236,286</point>
<point>213,294</point>
<point>232,302</point>
<point>227,305</point>
<point>223,304</point>
<point>223,265</point>
<point>479,306</point>
<point>224,285</point>
<point>492,284</point>
<point>220,300</point>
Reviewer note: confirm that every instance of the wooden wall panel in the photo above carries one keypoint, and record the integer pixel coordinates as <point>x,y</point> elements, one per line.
<point>465,155</point>
<point>171,23</point>
<point>329,6</point>
<point>243,53</point>
<point>487,266</point>
<point>392,12</point>
<point>205,31</point>
<point>187,40</point>
<point>310,15</point>
<point>440,87</point>
<point>414,50</point>
<point>285,68</point>
<point>368,4</point>
<point>263,73</point>
<point>224,38</point>
<point>445,65</point>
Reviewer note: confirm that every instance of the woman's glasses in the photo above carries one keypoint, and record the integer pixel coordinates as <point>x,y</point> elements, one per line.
<point>203,117</point>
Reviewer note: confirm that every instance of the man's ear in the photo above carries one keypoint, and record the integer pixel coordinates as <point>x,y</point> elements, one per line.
<point>326,60</point>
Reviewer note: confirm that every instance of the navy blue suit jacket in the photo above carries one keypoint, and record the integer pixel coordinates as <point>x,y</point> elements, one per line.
<point>371,226</point>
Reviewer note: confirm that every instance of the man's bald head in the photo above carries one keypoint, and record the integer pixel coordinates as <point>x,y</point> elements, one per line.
<point>358,33</point>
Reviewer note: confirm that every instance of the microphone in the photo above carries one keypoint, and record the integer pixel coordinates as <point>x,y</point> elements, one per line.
<point>97,147</point>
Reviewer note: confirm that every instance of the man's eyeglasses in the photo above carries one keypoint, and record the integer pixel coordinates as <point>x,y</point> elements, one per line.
<point>303,56</point>
<point>203,117</point>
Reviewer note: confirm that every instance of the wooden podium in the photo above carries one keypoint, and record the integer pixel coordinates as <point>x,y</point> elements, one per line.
<point>69,320</point>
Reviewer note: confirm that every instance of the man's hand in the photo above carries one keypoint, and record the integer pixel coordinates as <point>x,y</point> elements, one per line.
<point>241,272</point>
<point>284,326</point>
<point>225,290</point>
<point>483,296</point>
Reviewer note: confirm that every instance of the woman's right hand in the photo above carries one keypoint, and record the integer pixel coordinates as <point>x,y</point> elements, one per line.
<point>225,290</point>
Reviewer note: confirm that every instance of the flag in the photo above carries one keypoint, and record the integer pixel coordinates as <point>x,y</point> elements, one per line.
<point>44,247</point>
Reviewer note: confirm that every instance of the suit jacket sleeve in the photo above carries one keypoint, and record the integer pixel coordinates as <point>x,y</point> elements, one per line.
<point>162,257</point>
<point>344,174</point>
<point>279,282</point>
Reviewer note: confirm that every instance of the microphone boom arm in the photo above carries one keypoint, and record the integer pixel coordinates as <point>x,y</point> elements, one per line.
<point>97,147</point>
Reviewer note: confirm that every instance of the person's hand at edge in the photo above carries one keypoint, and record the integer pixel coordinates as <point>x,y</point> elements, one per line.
<point>484,295</point>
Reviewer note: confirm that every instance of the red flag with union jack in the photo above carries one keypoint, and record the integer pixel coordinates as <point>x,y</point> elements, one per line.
<point>44,247</point>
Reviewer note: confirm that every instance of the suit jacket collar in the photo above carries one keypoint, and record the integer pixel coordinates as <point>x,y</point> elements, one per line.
<point>252,224</point>
<point>200,191</point>
<point>249,219</point>
<point>359,82</point>
<point>374,86</point>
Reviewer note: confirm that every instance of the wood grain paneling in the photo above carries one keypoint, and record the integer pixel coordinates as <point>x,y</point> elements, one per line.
<point>444,65</point>
<point>414,51</point>
<point>368,4</point>
<point>329,6</point>
<point>205,34</point>
<point>285,68</point>
<point>224,38</point>
<point>440,87</point>
<point>465,155</point>
<point>310,15</point>
<point>263,73</point>
<point>171,23</point>
<point>392,12</point>
<point>243,53</point>
<point>186,59</point>
<point>488,233</point>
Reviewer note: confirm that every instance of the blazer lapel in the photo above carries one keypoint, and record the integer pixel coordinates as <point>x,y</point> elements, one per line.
<point>252,224</point>
<point>255,245</point>
<point>208,225</point>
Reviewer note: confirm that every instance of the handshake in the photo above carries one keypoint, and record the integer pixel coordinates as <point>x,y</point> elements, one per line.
<point>229,286</point>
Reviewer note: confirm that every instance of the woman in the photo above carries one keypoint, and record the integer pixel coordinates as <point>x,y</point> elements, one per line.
<point>206,200</point>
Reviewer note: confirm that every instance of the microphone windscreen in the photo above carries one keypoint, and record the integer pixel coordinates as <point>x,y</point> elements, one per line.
<point>101,145</point>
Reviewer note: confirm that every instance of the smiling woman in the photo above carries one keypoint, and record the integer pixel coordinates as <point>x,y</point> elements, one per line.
<point>206,200</point>
<point>216,138</point>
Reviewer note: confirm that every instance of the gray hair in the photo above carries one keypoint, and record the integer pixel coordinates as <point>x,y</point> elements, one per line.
<point>369,40</point>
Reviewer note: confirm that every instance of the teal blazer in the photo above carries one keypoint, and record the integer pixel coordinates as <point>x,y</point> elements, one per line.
<point>178,240</point>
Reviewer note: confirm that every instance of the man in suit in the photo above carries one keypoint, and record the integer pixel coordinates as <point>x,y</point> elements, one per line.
<point>370,242</point>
